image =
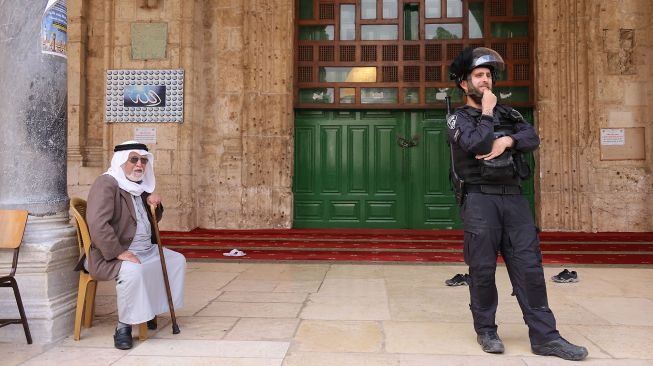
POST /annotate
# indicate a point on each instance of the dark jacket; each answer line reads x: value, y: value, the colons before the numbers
x: 472, y: 133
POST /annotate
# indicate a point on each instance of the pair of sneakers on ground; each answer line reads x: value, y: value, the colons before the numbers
x: 566, y: 276
x: 491, y: 343
x: 122, y: 339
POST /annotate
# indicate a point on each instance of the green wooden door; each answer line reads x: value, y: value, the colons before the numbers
x: 431, y: 200
x: 348, y: 169
x: 374, y: 169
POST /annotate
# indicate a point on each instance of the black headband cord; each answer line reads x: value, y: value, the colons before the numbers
x: 130, y: 147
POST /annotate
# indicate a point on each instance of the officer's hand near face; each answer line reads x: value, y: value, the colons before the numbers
x: 488, y: 102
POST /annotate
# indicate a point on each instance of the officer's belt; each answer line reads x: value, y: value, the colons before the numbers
x: 492, y: 189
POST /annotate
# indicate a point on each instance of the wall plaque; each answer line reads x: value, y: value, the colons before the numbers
x: 144, y: 96
x: 627, y: 143
x: 149, y: 40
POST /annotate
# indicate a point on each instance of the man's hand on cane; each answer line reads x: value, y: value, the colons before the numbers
x: 154, y: 199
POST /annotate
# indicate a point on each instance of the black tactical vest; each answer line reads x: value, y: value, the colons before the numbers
x: 472, y: 170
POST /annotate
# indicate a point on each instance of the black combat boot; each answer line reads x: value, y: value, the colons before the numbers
x: 560, y: 348
x: 490, y: 342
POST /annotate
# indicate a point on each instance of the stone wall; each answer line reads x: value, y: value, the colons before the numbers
x: 245, y: 144
x: 229, y: 164
x: 593, y: 60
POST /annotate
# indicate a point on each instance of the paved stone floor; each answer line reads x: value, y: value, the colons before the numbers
x: 263, y: 314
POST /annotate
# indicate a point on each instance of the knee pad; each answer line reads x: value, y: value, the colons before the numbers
x: 536, y: 290
x: 484, y: 286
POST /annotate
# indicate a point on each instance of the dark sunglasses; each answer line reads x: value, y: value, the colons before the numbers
x: 135, y: 159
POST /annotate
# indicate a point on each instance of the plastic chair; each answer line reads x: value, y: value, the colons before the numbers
x: 87, y: 285
x: 12, y: 228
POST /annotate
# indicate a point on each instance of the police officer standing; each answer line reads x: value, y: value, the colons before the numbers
x: 488, y: 141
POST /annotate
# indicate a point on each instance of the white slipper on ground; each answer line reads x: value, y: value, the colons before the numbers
x: 234, y: 253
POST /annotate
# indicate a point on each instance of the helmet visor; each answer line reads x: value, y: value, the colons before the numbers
x: 487, y: 57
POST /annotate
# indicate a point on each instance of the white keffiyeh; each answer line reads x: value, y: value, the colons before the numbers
x: 116, y: 170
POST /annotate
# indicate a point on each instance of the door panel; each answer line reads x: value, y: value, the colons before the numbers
x: 346, y: 169
x: 431, y: 198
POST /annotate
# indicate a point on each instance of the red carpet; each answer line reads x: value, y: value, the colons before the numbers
x: 378, y: 245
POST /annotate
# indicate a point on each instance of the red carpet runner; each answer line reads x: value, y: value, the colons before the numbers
x: 378, y: 245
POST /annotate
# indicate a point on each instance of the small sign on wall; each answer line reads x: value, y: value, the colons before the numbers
x: 146, y: 135
x: 623, y: 143
x: 144, y: 96
x: 613, y: 136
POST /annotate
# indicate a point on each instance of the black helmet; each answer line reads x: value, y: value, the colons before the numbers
x: 472, y: 58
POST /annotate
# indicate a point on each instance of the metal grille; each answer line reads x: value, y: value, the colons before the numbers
x: 411, y: 73
x: 520, y: 72
x: 520, y: 51
x: 368, y: 53
x: 433, y: 52
x: 419, y: 66
x: 326, y: 53
x: 501, y: 49
x: 389, y: 74
x: 390, y: 53
x: 411, y: 52
x: 453, y: 50
x: 433, y: 73
x: 305, y: 74
x: 327, y: 11
x: 347, y: 53
x: 497, y: 8
x: 305, y: 53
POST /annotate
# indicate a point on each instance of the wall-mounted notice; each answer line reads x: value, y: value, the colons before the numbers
x: 627, y: 143
x: 54, y: 28
x: 146, y: 135
x: 613, y: 136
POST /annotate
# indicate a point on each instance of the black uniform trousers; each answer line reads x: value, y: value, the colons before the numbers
x: 504, y: 223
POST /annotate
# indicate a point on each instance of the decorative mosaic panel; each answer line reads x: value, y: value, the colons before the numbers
x: 144, y: 96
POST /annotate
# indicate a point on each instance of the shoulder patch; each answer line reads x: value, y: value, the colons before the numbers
x: 451, y: 121
x: 516, y: 115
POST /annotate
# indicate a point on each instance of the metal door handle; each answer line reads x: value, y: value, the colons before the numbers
x: 405, y: 143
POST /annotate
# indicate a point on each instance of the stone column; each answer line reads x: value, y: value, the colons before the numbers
x: 563, y: 112
x: 33, y: 172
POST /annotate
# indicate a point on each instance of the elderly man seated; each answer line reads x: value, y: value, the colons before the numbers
x: 123, y: 246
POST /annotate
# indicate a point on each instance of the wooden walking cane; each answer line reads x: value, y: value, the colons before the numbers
x: 157, y: 236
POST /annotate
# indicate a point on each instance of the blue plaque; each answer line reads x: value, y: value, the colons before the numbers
x: 144, y: 96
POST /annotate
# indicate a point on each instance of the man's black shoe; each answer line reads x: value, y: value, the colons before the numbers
x: 565, y: 276
x: 490, y: 342
x: 152, y: 323
x: 458, y: 280
x: 560, y: 348
x: 123, y: 338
